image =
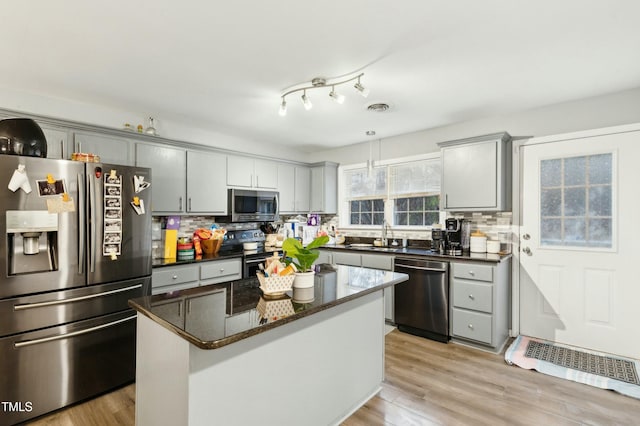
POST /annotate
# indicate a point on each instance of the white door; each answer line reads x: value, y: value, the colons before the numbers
x: 579, y: 259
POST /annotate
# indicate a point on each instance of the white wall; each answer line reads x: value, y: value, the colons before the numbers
x: 591, y: 113
x: 113, y: 117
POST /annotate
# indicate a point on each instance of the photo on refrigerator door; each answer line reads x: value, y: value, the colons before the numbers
x: 112, y: 240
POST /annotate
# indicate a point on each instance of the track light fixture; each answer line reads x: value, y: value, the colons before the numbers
x: 335, y: 96
x: 305, y: 101
x: 364, y: 91
x: 319, y: 83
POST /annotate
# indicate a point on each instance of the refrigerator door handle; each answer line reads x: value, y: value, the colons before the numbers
x: 23, y: 343
x: 81, y: 224
x: 92, y: 220
x: 24, y: 306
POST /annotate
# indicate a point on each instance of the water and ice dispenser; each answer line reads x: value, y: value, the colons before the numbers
x: 32, y: 241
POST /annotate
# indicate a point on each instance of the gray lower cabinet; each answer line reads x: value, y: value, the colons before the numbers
x: 325, y: 257
x: 219, y: 271
x: 375, y: 261
x: 180, y: 277
x: 479, y: 294
x: 172, y: 278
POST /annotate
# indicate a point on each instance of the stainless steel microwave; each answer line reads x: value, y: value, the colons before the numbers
x: 247, y: 205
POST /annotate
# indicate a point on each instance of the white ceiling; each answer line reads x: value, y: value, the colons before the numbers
x: 222, y: 65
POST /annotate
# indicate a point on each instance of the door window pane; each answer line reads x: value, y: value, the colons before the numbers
x: 576, y: 201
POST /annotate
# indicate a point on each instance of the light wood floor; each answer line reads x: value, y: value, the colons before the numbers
x: 430, y: 383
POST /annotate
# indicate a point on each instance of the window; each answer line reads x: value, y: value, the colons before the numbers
x: 576, y: 201
x: 417, y: 211
x: 404, y: 193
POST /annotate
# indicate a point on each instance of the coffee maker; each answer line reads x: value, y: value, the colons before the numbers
x: 453, y: 229
x: 438, y: 240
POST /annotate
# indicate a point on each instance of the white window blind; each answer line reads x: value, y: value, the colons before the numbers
x: 415, y: 178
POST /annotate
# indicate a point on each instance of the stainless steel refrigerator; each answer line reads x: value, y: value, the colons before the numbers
x: 75, y: 245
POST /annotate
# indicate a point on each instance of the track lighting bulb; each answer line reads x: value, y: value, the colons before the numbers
x: 336, y: 96
x: 283, y: 108
x: 306, y: 102
x: 364, y: 91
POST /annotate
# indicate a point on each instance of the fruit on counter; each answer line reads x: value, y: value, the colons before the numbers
x: 203, y: 234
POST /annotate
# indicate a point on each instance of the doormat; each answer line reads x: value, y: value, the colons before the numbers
x: 592, y: 368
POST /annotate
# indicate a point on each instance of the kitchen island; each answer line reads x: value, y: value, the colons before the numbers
x: 226, y: 354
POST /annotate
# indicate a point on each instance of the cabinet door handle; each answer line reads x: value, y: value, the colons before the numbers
x: 472, y: 273
x: 470, y: 326
x: 221, y: 270
x: 62, y: 149
x: 180, y: 203
x: 189, y: 203
x: 472, y: 297
x: 175, y: 277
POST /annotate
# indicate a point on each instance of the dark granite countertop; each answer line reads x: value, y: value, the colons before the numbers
x: 222, y: 254
x: 206, y: 323
x: 422, y: 252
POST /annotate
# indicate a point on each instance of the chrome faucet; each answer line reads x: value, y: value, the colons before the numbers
x: 385, y: 228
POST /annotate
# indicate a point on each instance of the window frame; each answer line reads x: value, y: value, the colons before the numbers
x: 343, y: 202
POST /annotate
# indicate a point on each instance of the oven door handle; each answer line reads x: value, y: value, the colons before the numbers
x: 420, y: 268
x: 23, y: 343
x: 24, y: 306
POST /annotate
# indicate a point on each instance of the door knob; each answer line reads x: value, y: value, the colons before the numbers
x: 527, y: 251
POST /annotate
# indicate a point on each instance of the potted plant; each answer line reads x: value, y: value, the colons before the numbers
x: 303, y: 258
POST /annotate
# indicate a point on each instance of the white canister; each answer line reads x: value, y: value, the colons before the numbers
x: 478, y: 244
x: 493, y: 246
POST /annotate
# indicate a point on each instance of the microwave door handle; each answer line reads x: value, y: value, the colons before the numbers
x: 81, y: 223
x: 275, y: 212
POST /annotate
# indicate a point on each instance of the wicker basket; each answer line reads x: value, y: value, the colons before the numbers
x: 276, y: 284
x: 211, y: 246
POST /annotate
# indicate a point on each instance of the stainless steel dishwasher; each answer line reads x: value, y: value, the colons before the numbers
x: 422, y: 303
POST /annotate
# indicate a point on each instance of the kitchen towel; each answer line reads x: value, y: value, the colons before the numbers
x: 523, y: 346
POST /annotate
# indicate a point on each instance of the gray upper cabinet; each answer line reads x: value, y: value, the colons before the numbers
x: 324, y: 188
x: 57, y: 142
x: 206, y: 176
x: 293, y: 187
x: 247, y: 172
x: 286, y: 187
x: 111, y: 149
x: 476, y: 173
x: 168, y: 176
x: 302, y: 188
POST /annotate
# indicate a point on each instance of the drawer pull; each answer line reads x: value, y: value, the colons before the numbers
x: 472, y: 273
x: 471, y: 296
x: 175, y: 277
x: 470, y: 326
